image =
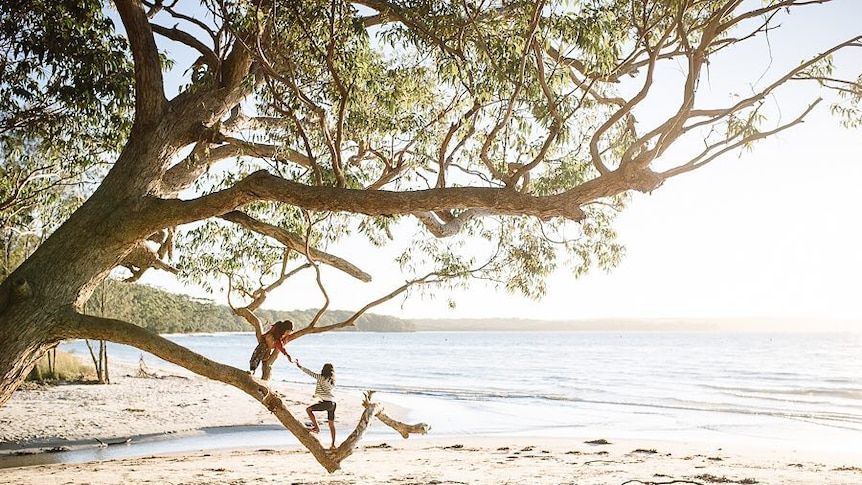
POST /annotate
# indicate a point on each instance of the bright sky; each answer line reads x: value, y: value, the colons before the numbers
x: 773, y: 233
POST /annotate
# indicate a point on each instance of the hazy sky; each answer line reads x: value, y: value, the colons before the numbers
x: 774, y: 232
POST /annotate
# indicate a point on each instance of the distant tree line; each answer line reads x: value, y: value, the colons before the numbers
x: 164, y: 312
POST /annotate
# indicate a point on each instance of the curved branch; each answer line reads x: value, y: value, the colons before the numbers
x: 708, y: 155
x: 150, y: 100
x: 263, y: 150
x: 247, y: 312
x: 766, y: 10
x: 317, y: 276
x: 668, y: 133
x: 442, y: 159
x: 183, y: 174
x: 427, y: 279
x: 209, y: 57
x: 451, y: 227
x: 627, y: 107
x: 295, y: 243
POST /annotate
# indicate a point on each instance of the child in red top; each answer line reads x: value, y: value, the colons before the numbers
x: 272, y: 341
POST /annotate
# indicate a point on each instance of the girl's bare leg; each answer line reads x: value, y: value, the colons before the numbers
x: 332, y: 433
x: 314, y: 427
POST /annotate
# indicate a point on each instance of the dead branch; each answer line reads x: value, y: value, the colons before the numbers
x: 405, y: 430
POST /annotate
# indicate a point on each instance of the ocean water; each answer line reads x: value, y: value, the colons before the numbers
x: 782, y: 390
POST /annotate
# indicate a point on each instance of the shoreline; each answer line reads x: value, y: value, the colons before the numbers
x: 142, y: 415
x: 230, y: 438
x: 58, y: 445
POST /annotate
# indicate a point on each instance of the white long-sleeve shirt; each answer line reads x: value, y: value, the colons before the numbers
x: 323, y: 389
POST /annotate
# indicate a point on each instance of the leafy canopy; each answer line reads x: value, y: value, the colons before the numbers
x: 65, y: 108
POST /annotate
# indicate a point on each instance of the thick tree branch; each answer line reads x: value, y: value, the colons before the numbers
x: 80, y: 326
x: 241, y: 123
x: 141, y: 258
x: 262, y: 185
x: 150, y: 101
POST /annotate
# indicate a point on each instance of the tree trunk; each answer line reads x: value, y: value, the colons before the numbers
x: 57, y: 278
x: 267, y: 365
x: 62, y: 273
x: 23, y: 341
x: 105, y: 378
x: 97, y: 361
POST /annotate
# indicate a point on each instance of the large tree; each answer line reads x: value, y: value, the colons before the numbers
x: 507, y: 134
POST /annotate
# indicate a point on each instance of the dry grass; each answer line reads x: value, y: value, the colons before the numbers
x: 67, y: 367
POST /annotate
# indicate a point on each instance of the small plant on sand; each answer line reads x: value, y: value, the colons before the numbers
x: 600, y: 441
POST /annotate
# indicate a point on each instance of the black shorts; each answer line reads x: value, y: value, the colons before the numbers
x: 328, y: 406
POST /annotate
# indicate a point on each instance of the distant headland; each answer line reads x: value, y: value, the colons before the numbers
x: 165, y: 312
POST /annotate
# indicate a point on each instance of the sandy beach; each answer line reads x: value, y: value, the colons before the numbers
x: 42, y: 418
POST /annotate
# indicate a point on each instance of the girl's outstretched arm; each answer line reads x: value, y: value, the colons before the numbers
x: 307, y: 371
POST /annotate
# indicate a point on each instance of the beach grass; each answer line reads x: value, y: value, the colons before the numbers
x: 61, y: 366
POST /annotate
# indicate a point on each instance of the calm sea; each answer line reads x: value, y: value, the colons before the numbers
x: 779, y: 390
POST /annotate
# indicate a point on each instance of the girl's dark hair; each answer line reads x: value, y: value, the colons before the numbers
x: 328, y: 371
x: 283, y: 326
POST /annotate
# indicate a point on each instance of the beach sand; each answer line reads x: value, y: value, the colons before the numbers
x: 75, y: 415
